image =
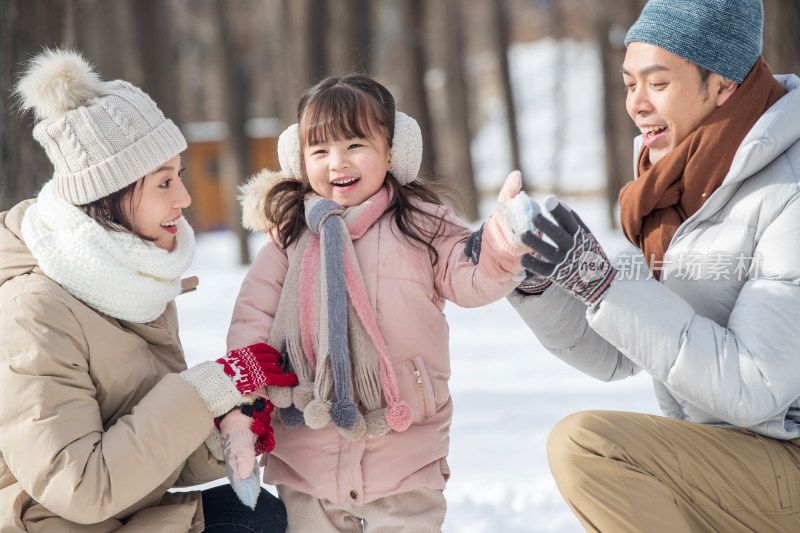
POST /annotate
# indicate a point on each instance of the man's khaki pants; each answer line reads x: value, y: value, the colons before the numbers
x: 623, y: 472
x: 417, y: 511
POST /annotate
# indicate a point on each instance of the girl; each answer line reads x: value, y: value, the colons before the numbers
x: 99, y: 416
x: 350, y: 286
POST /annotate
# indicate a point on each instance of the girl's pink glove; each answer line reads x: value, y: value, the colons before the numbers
x: 246, y: 434
x: 238, y: 445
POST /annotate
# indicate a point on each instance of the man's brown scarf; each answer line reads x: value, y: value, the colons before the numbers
x: 653, y: 206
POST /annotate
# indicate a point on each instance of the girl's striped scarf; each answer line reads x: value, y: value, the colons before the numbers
x: 327, y: 329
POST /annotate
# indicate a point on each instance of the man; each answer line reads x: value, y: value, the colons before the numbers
x: 715, y: 211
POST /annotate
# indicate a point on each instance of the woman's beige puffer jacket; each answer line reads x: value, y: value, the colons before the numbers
x: 95, y: 423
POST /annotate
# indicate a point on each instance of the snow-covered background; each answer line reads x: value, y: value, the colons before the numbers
x: 508, y: 392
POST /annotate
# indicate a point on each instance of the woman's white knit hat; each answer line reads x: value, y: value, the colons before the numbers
x: 100, y: 136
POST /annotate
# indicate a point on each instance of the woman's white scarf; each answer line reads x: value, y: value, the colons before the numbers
x: 116, y: 273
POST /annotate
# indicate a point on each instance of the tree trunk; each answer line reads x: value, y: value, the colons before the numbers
x: 349, y: 36
x: 782, y: 35
x: 499, y: 29
x: 559, y: 99
x: 158, y: 53
x: 618, y: 129
x: 26, y: 26
x: 459, y: 162
x: 105, y: 33
x: 411, y: 76
x: 304, y: 26
x: 235, y: 154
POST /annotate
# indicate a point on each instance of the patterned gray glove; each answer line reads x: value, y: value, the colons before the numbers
x: 577, y: 263
x: 533, y: 283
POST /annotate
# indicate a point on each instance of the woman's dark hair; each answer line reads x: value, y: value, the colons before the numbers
x: 110, y: 213
x: 352, y: 106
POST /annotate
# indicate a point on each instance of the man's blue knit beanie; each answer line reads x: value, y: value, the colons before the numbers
x: 723, y: 36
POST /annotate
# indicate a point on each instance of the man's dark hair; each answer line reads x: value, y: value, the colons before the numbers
x: 704, y: 75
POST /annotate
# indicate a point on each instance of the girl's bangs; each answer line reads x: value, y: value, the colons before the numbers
x: 336, y: 115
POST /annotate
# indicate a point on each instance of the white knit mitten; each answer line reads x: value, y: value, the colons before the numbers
x: 214, y: 444
x: 214, y: 387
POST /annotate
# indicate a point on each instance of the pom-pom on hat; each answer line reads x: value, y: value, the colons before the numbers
x: 723, y: 36
x: 100, y: 136
x: 405, y: 155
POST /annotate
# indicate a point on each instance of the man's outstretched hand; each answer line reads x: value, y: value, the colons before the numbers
x: 577, y: 262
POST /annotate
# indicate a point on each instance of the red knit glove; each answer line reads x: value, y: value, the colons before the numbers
x: 265, y: 442
x: 256, y: 366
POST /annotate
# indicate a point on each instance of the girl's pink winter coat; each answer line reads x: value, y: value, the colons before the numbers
x: 408, y: 294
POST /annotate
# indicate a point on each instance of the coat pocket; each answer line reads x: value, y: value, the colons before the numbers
x: 422, y: 381
x: 786, y: 473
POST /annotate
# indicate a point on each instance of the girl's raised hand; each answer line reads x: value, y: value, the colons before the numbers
x: 515, y: 210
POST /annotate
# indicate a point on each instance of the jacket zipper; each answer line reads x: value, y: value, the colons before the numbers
x: 421, y: 389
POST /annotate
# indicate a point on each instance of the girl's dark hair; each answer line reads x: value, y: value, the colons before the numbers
x: 110, y: 213
x: 352, y: 106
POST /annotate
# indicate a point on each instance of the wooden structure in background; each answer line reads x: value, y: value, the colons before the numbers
x: 203, y: 167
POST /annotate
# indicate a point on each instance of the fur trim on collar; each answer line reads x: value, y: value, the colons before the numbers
x: 253, y: 195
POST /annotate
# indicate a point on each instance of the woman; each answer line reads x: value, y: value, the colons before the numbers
x: 99, y: 416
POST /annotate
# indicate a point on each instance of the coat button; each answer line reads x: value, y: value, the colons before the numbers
x: 354, y: 494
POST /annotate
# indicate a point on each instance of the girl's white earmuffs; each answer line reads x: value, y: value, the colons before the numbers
x: 405, y: 155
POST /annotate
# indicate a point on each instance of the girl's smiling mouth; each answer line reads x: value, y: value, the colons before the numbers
x: 345, y: 183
